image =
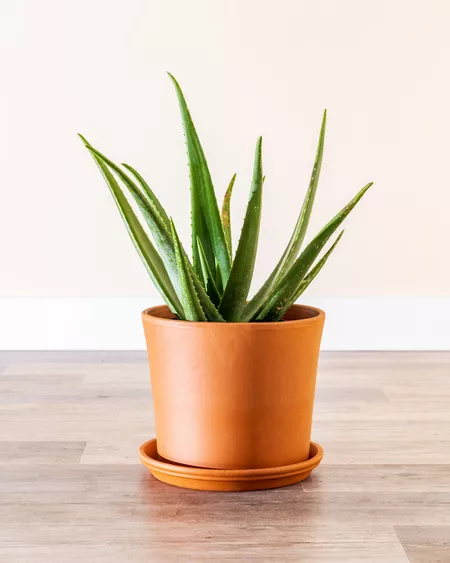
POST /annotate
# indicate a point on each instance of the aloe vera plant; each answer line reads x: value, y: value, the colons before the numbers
x: 214, y: 286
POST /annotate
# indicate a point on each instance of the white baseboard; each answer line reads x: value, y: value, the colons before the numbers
x: 115, y: 324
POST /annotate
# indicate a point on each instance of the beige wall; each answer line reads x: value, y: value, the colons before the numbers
x: 248, y: 68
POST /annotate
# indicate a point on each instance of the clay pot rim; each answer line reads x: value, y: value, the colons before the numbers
x: 151, y: 315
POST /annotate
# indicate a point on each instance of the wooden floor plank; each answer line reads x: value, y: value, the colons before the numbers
x: 425, y: 544
x: 209, y: 550
x: 386, y: 452
x: 20, y: 453
x: 432, y: 478
x: 72, y: 488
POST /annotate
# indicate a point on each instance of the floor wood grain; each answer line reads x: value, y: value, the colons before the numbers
x: 424, y: 544
x: 72, y: 488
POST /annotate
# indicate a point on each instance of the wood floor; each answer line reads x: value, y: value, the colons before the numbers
x: 72, y: 488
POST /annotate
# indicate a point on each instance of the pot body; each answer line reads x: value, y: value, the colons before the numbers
x: 233, y: 395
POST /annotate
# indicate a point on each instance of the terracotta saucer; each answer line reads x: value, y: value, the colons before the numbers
x: 227, y: 479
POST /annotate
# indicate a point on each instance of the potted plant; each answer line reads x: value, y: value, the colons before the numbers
x: 233, y: 378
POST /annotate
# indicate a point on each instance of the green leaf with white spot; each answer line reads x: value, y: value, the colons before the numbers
x: 255, y: 305
x: 192, y: 309
x: 238, y: 285
x: 142, y: 243
x: 284, y: 294
x: 205, y: 211
x: 226, y: 216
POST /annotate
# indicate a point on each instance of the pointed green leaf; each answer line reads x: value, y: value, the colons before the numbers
x: 255, y: 305
x: 208, y: 306
x: 238, y: 285
x: 192, y: 309
x: 219, y: 283
x: 203, y: 193
x: 148, y: 192
x: 285, y: 290
x: 208, y: 281
x: 199, y: 230
x: 156, y: 224
x: 225, y: 216
x: 204, y: 273
x: 142, y: 243
x: 312, y: 274
x: 164, y: 240
x: 301, y: 226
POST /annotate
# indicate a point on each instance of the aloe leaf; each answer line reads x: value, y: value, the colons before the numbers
x: 225, y: 216
x: 192, y: 309
x: 238, y: 285
x: 150, y: 194
x: 155, y: 222
x: 163, y: 239
x: 204, y: 269
x: 285, y: 291
x: 219, y: 283
x: 149, y: 255
x: 203, y: 193
x: 208, y: 306
x: 313, y: 273
x: 208, y: 281
x: 301, y: 226
x: 290, y: 254
x: 199, y: 230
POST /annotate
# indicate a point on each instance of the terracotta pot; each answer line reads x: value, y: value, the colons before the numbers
x: 233, y: 395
